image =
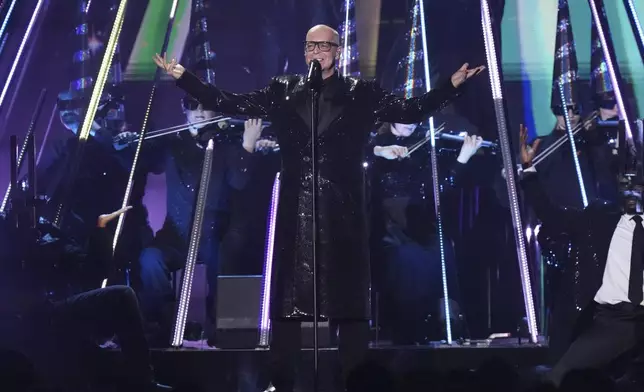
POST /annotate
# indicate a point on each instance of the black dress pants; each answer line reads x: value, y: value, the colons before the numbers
x: 66, y: 328
x: 614, y: 331
x: 286, y: 342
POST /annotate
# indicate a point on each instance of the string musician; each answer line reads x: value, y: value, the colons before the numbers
x: 405, y: 247
x: 180, y: 157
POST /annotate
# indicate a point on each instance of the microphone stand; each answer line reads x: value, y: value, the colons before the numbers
x: 314, y: 87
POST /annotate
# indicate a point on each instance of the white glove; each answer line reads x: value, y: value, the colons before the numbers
x: 390, y: 152
x: 471, y: 145
x: 123, y: 140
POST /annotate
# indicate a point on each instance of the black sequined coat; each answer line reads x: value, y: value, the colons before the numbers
x: 587, y: 235
x: 351, y: 107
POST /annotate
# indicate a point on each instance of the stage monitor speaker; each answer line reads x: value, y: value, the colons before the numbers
x: 325, y: 338
x: 238, y: 306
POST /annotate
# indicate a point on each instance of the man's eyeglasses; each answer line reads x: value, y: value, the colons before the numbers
x: 324, y: 46
x: 189, y: 103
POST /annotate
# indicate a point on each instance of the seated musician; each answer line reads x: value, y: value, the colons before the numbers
x: 52, y: 327
x: 405, y: 231
x: 103, y: 172
x: 180, y: 156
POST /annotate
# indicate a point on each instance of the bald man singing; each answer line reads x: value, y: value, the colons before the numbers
x: 348, y: 109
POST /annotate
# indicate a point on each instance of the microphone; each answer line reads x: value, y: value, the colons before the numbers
x: 314, y: 77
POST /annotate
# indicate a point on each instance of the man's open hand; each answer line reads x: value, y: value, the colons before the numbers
x: 527, y: 152
x: 104, y: 219
x: 465, y: 73
x: 172, y: 68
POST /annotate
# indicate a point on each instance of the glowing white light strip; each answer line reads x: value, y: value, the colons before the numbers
x: 345, y: 49
x: 630, y: 9
x: 611, y: 68
x: 23, y: 71
x: 46, y: 136
x: 97, y: 91
x: 495, y: 82
x: 193, y: 247
x: 5, y: 22
x: 573, y: 147
x: 18, y: 56
x: 436, y: 180
x: 103, y: 71
x: 174, y: 9
x: 130, y: 181
x: 264, y: 316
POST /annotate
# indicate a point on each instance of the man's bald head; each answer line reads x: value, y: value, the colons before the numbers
x: 322, y: 44
x: 323, y: 33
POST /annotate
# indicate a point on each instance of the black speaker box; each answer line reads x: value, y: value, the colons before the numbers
x: 238, y: 311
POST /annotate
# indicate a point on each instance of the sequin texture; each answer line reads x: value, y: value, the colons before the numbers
x: 349, y: 107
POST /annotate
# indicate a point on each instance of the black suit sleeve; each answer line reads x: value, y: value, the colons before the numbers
x: 389, y: 107
x: 257, y: 104
x: 238, y: 164
x: 561, y: 220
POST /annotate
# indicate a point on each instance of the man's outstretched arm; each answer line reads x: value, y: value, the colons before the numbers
x: 254, y: 104
x: 389, y: 107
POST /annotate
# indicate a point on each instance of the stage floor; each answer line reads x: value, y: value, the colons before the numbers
x: 244, y: 370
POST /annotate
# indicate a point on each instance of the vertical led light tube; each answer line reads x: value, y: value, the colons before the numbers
x: 193, y: 248
x: 264, y: 316
x: 436, y: 180
x: 97, y: 91
x: 602, y: 24
x: 573, y: 146
x: 508, y: 164
x: 345, y: 48
x: 5, y: 22
x: 21, y: 48
x: 635, y: 25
